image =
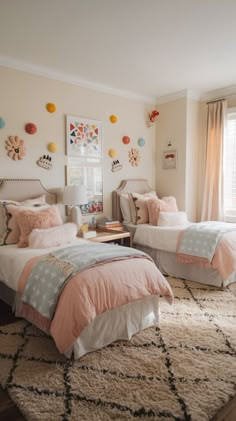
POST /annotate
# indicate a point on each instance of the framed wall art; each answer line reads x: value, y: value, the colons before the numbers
x: 169, y: 160
x: 83, y: 137
x: 90, y: 175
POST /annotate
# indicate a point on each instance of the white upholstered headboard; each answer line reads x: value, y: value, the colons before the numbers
x: 21, y: 189
x: 132, y: 185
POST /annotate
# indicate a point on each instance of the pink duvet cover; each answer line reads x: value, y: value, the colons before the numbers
x: 94, y: 291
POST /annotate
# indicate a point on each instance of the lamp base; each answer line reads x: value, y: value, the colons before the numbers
x: 76, y: 216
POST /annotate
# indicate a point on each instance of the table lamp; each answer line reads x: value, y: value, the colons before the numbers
x: 74, y: 196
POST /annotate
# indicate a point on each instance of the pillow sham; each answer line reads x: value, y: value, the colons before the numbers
x: 28, y: 220
x: 127, y: 208
x: 140, y: 205
x: 155, y: 206
x: 9, y: 230
x: 53, y: 237
x: 167, y: 219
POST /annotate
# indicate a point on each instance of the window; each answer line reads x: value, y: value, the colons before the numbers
x: 229, y: 167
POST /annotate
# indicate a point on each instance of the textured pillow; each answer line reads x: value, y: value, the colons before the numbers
x: 53, y: 237
x: 140, y: 205
x: 9, y: 230
x: 155, y: 206
x: 29, y: 220
x: 167, y: 219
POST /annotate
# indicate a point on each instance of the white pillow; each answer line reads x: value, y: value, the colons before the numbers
x: 52, y: 237
x: 167, y: 219
x: 125, y: 208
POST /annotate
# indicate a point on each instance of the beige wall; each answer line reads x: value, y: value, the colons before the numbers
x: 172, y: 125
x: 182, y: 122
x: 23, y: 100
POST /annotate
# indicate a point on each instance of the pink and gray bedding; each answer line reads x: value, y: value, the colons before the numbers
x: 197, y: 243
x: 90, y: 291
x: 222, y: 256
x: 214, y: 245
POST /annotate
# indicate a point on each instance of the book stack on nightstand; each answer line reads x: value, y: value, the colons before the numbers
x: 110, y: 225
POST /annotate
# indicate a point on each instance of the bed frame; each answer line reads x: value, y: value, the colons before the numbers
x: 165, y: 261
x: 139, y: 185
x: 21, y: 189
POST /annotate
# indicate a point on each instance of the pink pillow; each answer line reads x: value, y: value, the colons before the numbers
x: 9, y: 229
x: 53, y: 237
x: 155, y: 206
x: 29, y: 220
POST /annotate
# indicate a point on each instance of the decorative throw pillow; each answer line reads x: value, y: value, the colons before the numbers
x: 167, y: 219
x: 53, y: 237
x: 140, y: 206
x: 29, y: 220
x: 9, y: 230
x: 155, y: 206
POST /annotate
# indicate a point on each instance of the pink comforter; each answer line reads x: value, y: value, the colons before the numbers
x: 96, y: 290
x: 224, y: 259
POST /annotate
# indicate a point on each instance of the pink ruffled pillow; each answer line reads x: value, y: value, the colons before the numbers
x: 29, y: 220
x: 155, y: 206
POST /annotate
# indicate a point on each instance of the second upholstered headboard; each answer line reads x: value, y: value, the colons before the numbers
x: 131, y: 185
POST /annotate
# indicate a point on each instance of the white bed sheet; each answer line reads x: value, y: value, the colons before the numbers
x: 162, y: 238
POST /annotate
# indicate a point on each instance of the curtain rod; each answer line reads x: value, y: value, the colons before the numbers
x: 215, y: 100
x: 220, y: 99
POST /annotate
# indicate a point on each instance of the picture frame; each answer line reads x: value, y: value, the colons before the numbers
x: 169, y: 159
x: 91, y: 176
x: 83, y: 137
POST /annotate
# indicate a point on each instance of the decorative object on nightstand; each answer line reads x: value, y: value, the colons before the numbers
x: 75, y: 196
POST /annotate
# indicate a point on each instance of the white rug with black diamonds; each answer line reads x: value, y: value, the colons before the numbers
x: 185, y: 369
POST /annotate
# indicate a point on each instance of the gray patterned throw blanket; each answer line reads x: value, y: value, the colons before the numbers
x: 52, y: 272
x: 197, y: 243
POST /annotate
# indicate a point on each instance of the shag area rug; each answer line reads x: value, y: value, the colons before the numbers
x: 184, y: 369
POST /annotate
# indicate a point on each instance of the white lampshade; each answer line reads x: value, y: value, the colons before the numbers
x: 75, y: 195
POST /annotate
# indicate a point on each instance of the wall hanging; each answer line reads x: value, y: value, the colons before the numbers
x: 151, y: 117
x: 113, y: 118
x: 16, y: 148
x: 141, y: 142
x: 116, y: 166
x: 125, y: 140
x: 45, y: 162
x: 50, y: 107
x: 83, y: 137
x: 2, y: 123
x: 30, y: 128
x: 169, y: 159
x: 134, y: 157
x: 112, y: 153
x: 52, y: 147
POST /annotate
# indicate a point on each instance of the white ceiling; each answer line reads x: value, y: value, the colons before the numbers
x: 145, y: 48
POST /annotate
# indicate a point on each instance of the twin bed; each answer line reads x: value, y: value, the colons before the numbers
x: 160, y: 242
x: 105, y: 292
x: 112, y: 295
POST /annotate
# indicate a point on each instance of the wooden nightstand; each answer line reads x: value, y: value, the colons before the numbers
x: 119, y: 237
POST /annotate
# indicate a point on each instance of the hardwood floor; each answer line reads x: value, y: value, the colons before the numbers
x: 9, y: 412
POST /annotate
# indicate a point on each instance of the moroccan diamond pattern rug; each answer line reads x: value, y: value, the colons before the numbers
x: 184, y: 369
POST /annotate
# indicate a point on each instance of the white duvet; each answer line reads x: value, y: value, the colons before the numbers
x: 161, y: 238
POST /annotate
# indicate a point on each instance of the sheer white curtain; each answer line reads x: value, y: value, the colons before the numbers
x: 212, y: 209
